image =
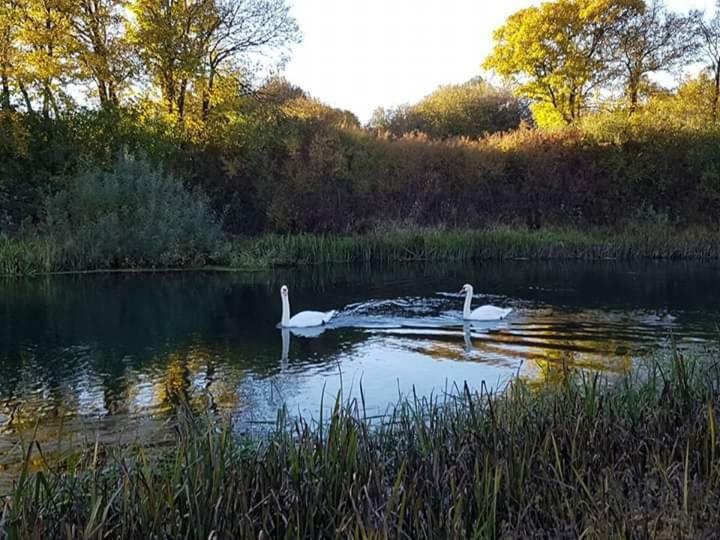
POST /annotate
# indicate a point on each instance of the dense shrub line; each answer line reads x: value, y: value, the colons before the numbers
x: 70, y: 199
x: 278, y: 173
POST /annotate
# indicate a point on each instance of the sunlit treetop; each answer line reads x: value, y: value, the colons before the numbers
x: 557, y: 54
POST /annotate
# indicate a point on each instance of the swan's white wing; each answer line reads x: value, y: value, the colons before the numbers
x: 489, y: 313
x: 306, y: 319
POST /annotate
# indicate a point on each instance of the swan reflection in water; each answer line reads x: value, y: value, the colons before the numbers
x: 467, y: 336
x: 285, y: 333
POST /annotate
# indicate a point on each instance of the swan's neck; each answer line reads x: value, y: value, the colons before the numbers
x: 285, y: 311
x: 468, y: 301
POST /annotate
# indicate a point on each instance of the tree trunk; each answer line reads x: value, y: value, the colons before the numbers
x: 53, y: 104
x: 716, y: 93
x: 112, y: 95
x: 169, y: 93
x: 5, y: 98
x: 46, y: 100
x: 26, y: 98
x: 181, y: 98
x: 102, y: 93
x: 207, y: 95
x: 633, y: 93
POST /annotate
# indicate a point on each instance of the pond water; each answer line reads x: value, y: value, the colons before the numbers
x: 97, y: 355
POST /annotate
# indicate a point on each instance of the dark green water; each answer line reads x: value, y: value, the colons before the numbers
x: 96, y: 355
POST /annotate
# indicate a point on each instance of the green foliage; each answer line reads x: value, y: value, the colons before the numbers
x: 133, y: 215
x: 28, y: 256
x: 652, y: 239
x: 649, y: 41
x: 473, y: 109
x: 574, y: 455
x: 556, y: 53
x: 269, y: 171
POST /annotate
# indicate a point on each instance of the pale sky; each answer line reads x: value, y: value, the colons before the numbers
x: 361, y: 54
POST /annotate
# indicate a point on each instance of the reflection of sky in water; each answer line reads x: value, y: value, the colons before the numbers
x: 105, y: 355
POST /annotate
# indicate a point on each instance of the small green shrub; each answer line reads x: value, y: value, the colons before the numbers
x: 26, y: 257
x: 133, y: 215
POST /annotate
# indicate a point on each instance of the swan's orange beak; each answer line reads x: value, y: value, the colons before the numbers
x: 461, y: 290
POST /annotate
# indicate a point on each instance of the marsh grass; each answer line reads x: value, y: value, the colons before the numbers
x: 592, y: 457
x: 42, y: 255
x: 27, y: 257
x: 502, y: 242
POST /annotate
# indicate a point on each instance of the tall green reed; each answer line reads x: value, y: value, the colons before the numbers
x: 634, y: 456
x: 500, y: 242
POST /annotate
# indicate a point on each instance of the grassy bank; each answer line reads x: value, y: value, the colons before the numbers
x: 495, y: 243
x: 26, y: 257
x: 631, y: 458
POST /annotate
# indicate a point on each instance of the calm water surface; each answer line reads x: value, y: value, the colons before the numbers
x: 98, y: 355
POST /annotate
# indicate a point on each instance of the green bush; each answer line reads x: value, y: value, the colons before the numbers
x: 134, y: 215
x: 283, y: 169
x: 27, y: 256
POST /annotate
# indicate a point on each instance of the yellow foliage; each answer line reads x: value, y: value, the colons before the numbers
x: 553, y: 53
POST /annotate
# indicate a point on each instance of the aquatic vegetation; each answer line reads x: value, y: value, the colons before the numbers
x: 499, y: 242
x: 23, y: 257
x: 632, y: 456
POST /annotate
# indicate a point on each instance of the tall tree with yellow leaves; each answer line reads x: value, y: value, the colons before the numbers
x: 173, y: 38
x: 186, y: 45
x: 9, y: 49
x: 46, y: 37
x: 651, y: 41
x: 104, y: 54
x: 558, y: 54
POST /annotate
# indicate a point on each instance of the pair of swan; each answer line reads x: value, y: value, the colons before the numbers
x: 309, y: 319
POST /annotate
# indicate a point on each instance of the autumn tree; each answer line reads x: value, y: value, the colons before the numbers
x: 709, y: 31
x: 188, y: 44
x: 9, y: 53
x: 471, y: 109
x: 559, y: 53
x: 104, y: 53
x: 278, y: 90
x: 48, y: 63
x: 243, y: 28
x: 172, y: 37
x: 650, y: 41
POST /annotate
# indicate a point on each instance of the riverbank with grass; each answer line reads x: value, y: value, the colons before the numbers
x: 43, y: 255
x: 493, y: 243
x: 635, y: 456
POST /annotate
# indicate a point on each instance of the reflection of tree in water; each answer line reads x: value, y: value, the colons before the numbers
x: 119, y: 344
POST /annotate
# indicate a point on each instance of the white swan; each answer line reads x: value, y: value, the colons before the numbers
x: 483, y: 313
x: 304, y: 319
